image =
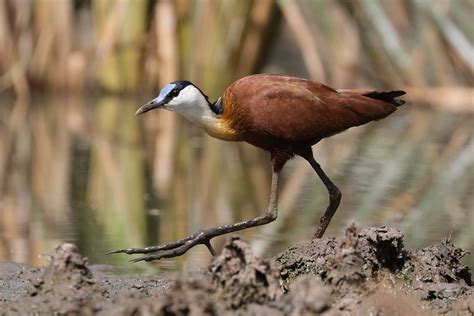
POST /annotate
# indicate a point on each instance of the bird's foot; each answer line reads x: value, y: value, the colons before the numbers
x: 172, y: 249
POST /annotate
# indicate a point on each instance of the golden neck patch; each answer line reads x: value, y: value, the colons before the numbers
x: 222, y: 130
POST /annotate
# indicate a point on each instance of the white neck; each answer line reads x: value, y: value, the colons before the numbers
x: 191, y: 104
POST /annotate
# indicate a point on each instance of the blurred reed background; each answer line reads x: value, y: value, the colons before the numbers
x: 76, y: 165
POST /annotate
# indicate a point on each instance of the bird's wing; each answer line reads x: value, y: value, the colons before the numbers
x: 297, y: 109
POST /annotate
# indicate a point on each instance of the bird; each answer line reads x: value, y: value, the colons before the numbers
x: 280, y: 114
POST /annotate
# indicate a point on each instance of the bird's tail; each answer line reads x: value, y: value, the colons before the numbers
x: 387, y: 96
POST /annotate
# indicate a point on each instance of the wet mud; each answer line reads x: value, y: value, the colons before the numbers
x: 363, y: 272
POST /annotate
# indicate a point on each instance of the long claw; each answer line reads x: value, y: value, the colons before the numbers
x: 145, y: 258
x: 137, y: 260
x: 168, y: 246
x: 172, y: 249
x: 166, y: 254
x: 116, y: 251
x: 210, y: 248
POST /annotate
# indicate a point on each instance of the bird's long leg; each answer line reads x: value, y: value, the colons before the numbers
x: 179, y: 247
x: 334, y: 195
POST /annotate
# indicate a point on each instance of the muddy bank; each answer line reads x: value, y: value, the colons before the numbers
x: 371, y: 271
x: 362, y: 272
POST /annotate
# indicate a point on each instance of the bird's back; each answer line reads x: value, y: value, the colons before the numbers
x: 272, y: 110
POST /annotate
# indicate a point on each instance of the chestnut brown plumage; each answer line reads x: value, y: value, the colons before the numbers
x: 280, y: 114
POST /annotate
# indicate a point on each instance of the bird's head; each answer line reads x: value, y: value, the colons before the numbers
x: 188, y: 100
x: 182, y: 97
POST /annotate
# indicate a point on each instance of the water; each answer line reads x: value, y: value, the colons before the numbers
x: 87, y: 171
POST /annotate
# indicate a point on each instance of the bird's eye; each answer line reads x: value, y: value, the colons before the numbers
x: 174, y: 93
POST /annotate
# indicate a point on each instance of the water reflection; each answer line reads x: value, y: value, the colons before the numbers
x: 85, y: 171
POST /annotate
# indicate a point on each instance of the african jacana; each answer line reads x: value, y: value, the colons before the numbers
x: 280, y: 114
